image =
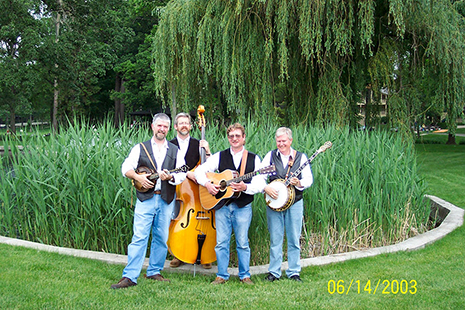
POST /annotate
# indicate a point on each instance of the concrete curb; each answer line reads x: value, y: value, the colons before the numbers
x: 453, y: 219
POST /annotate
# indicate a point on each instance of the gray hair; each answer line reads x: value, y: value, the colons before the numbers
x: 283, y: 131
x: 182, y: 114
x: 161, y: 117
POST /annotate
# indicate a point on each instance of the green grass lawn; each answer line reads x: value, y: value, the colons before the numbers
x: 440, y: 138
x: 431, y: 278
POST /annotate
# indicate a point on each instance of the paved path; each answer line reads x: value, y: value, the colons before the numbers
x: 453, y: 220
x: 445, y: 133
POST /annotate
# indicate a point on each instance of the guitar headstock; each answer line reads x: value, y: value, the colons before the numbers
x: 268, y: 170
x: 325, y: 146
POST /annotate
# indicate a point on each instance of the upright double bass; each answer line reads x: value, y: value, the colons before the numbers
x: 192, y: 234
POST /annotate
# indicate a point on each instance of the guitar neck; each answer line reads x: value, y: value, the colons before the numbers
x: 245, y: 176
x: 299, y: 171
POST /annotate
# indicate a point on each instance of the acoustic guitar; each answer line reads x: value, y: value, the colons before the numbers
x: 153, y: 176
x: 225, y: 193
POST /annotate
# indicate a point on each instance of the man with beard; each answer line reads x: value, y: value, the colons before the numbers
x: 155, y: 201
x: 190, y: 148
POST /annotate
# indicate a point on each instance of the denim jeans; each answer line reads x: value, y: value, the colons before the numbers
x: 227, y: 219
x: 152, y: 215
x: 291, y: 220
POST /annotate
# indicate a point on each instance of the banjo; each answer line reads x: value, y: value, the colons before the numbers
x: 286, y: 193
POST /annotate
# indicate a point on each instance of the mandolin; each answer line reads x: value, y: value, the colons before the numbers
x: 153, y: 176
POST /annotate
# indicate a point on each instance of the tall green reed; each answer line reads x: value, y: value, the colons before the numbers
x: 366, y: 191
x: 68, y: 190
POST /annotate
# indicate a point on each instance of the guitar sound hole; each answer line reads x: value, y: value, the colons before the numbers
x: 223, y: 185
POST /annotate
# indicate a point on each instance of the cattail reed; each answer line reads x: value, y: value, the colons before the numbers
x: 67, y: 189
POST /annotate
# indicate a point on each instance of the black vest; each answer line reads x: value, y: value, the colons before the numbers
x: 167, y: 190
x: 281, y: 171
x: 227, y: 162
x: 193, y: 152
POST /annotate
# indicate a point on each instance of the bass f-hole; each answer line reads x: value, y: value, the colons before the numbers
x: 188, y: 218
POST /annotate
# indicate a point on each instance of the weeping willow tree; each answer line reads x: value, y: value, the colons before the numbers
x: 310, y: 60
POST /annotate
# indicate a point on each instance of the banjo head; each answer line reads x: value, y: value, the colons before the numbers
x: 285, y: 198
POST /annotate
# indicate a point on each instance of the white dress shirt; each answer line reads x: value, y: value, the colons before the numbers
x: 183, y: 145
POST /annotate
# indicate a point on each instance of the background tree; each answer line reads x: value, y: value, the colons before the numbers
x: 19, y: 32
x: 82, y: 53
x: 134, y: 71
x: 311, y: 59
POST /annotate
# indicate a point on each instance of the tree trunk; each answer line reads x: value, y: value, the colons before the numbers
x: 55, y: 106
x: 368, y: 107
x: 12, y: 111
x: 451, y: 139
x: 55, y: 83
x: 12, y: 121
x: 119, y: 106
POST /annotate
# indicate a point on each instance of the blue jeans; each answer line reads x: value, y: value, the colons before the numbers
x: 152, y: 215
x: 291, y: 220
x: 229, y: 218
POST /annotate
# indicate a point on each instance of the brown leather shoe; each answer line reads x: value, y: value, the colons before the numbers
x: 157, y: 277
x: 219, y: 280
x: 175, y: 263
x: 207, y: 266
x: 123, y: 283
x: 247, y: 281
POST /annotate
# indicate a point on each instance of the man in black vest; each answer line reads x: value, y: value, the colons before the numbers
x: 286, y: 160
x: 155, y: 201
x: 237, y: 213
x: 190, y: 148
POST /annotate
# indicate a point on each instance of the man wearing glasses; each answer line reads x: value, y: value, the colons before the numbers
x: 236, y: 214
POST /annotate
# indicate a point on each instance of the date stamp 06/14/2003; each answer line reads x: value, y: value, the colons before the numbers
x: 385, y: 287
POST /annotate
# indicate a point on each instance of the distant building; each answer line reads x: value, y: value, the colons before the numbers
x: 380, y: 107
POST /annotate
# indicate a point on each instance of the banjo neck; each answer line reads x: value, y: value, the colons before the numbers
x: 296, y: 173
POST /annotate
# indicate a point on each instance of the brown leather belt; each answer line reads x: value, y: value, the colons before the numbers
x: 157, y: 192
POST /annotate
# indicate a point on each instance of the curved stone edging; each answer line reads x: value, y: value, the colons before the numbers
x: 452, y: 220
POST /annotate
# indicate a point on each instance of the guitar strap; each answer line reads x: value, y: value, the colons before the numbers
x: 243, y: 162
x: 148, y: 155
x: 290, y: 163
